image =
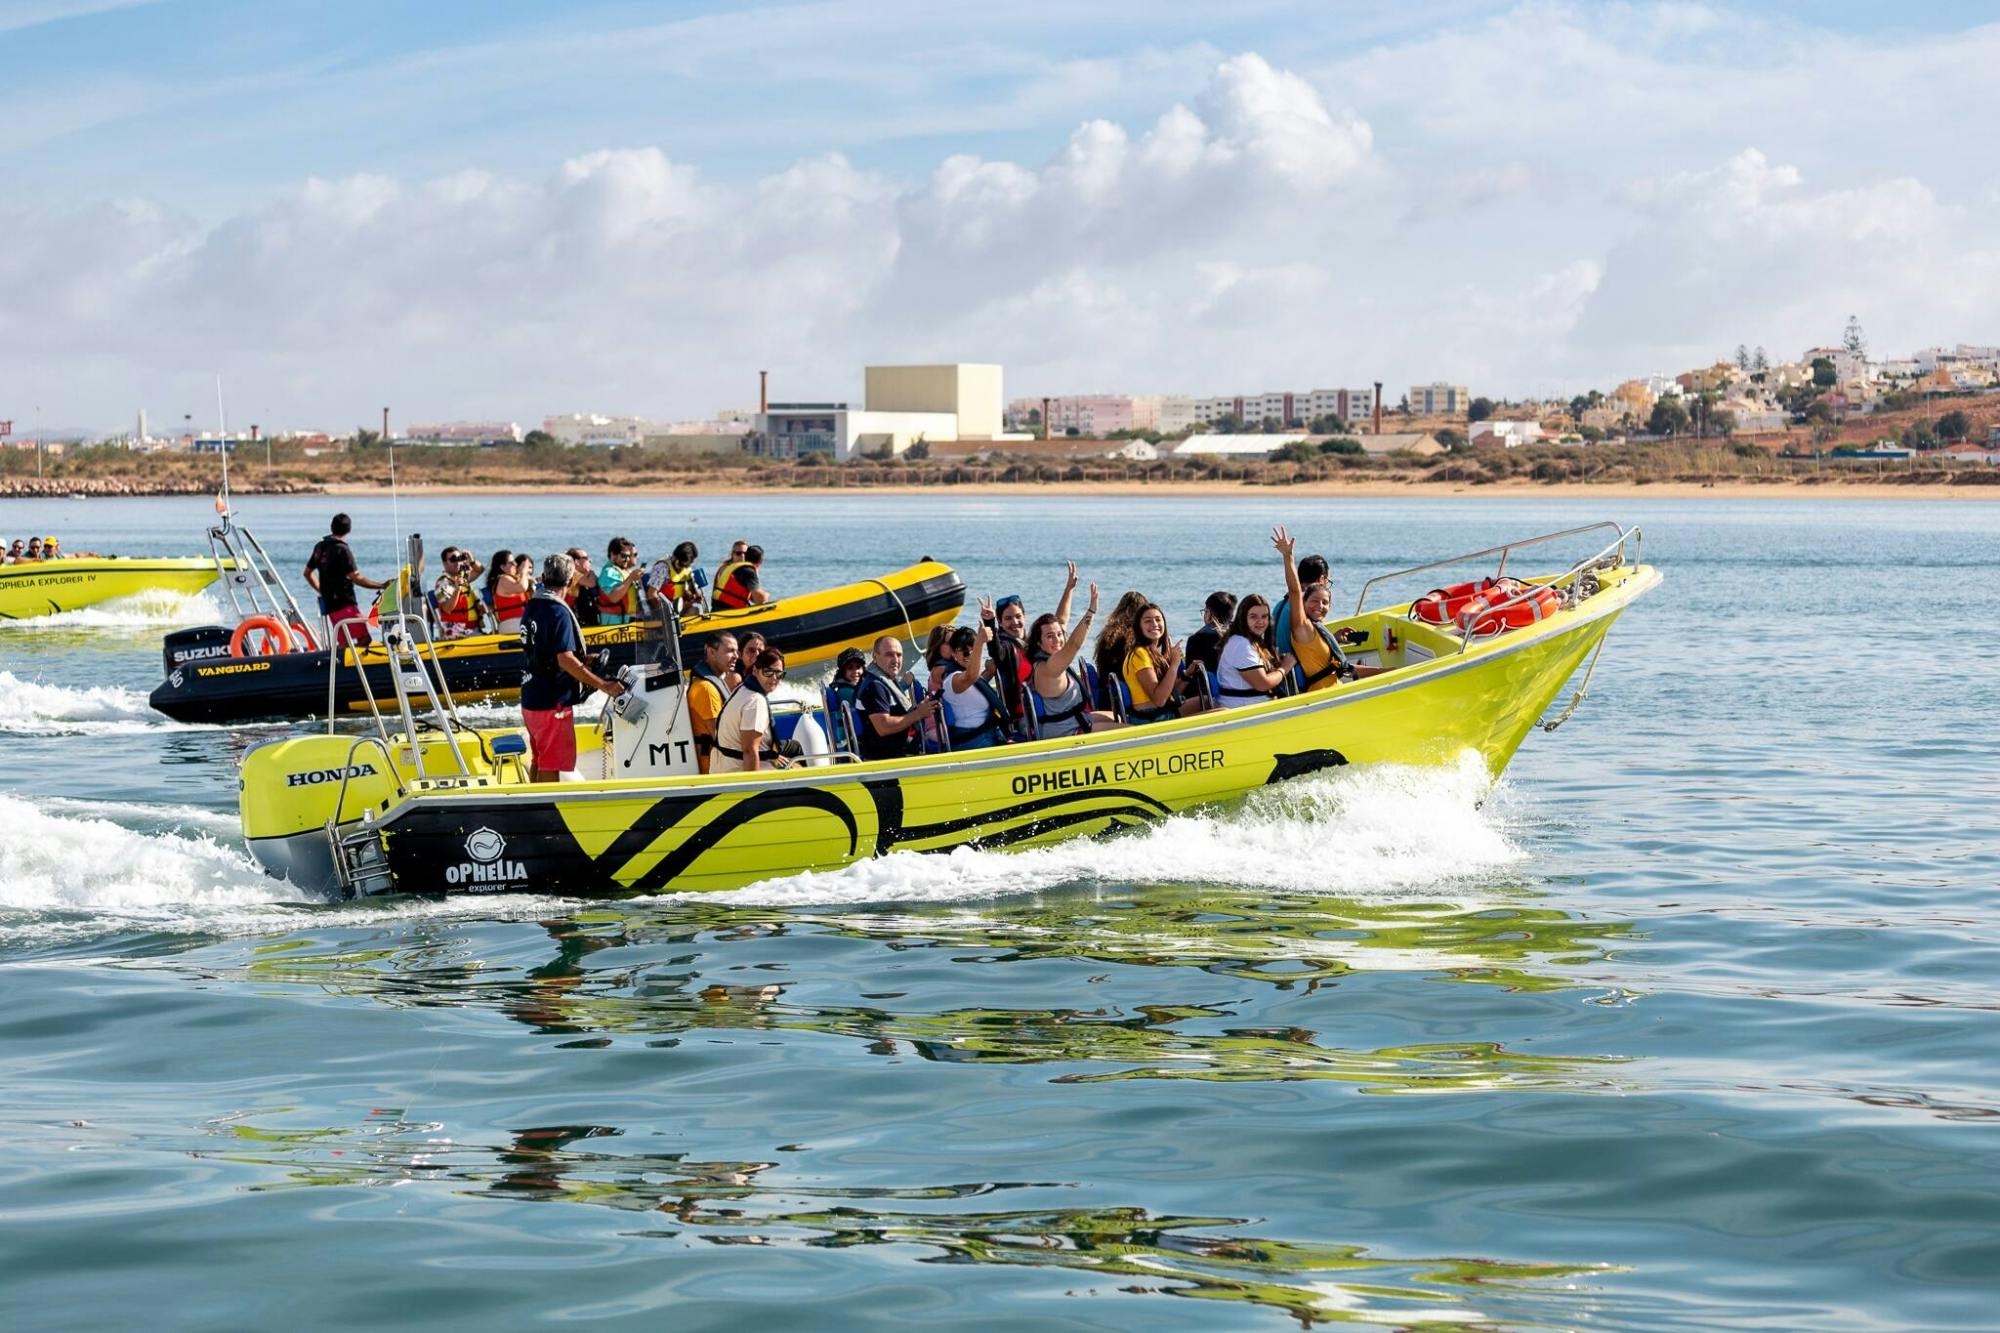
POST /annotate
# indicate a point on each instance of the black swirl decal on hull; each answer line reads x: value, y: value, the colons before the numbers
x: 1129, y: 801
x: 662, y: 875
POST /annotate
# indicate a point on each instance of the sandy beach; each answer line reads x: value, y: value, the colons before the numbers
x: 1370, y: 488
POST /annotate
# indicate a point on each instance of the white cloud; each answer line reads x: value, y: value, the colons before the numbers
x: 1522, y: 203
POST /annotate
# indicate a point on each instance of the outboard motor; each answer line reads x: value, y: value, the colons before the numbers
x: 649, y: 733
x: 185, y: 647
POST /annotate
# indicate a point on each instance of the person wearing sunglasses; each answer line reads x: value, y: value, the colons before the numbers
x: 459, y: 609
x: 743, y: 731
x: 618, y: 584
x: 581, y: 595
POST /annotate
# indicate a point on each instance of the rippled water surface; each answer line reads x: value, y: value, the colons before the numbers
x: 1691, y: 1022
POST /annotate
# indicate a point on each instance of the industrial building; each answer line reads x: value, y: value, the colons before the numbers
x: 903, y: 406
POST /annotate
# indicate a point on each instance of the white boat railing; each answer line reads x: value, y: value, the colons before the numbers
x: 1610, y: 555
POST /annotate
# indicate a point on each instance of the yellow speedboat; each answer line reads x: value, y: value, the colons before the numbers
x: 453, y: 812
x: 48, y: 587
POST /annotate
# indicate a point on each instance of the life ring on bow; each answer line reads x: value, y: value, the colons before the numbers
x: 1442, y: 606
x: 1513, y: 608
x: 277, y: 639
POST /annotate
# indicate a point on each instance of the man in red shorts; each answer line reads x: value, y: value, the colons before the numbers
x: 331, y: 573
x: 553, y: 676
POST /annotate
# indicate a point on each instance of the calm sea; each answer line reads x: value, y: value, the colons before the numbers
x: 1691, y: 1022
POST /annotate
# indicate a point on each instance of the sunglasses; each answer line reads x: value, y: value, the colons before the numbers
x: 770, y: 673
x: 1006, y: 602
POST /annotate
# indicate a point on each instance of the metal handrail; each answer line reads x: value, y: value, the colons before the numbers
x: 249, y: 566
x: 1361, y: 603
x: 347, y: 771
x: 1573, y: 573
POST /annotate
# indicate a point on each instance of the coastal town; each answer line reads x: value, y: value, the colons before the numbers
x: 1939, y: 406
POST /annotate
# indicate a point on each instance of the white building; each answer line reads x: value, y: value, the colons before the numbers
x: 968, y: 391
x: 1175, y: 414
x: 1846, y: 365
x: 595, y: 431
x: 1233, y: 446
x: 463, y: 432
x: 1512, y: 434
x: 905, y: 405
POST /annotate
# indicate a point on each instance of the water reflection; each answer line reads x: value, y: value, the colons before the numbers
x: 662, y: 970
x: 1130, y: 1250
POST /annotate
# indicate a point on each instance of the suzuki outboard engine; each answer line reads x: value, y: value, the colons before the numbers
x: 184, y: 647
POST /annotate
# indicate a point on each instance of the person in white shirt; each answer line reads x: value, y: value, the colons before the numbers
x: 1250, y: 670
x: 743, y: 731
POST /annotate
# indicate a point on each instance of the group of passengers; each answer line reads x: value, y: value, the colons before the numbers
x: 469, y: 597
x: 1009, y: 678
x: 728, y: 706
x: 33, y: 550
x: 614, y: 593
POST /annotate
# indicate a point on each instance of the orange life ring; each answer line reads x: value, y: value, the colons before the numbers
x: 1533, y: 605
x: 1441, y: 606
x: 306, y: 641
x: 276, y: 638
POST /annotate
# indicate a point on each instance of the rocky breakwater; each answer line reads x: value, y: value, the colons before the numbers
x: 99, y: 487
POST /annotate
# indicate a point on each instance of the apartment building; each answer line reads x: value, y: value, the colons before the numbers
x: 1439, y: 400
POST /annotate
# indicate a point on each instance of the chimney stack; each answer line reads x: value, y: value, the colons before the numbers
x: 763, y: 392
x: 1378, y: 407
x: 1045, y: 417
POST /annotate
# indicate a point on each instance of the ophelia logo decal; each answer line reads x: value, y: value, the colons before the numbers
x: 484, y: 845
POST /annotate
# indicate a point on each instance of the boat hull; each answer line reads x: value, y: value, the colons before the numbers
x: 812, y: 629
x: 50, y: 587
x: 680, y: 835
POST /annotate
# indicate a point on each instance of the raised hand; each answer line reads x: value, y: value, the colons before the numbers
x: 986, y: 609
x: 1093, y: 598
x: 1069, y: 579
x: 1172, y: 654
x: 985, y: 633
x: 1284, y: 541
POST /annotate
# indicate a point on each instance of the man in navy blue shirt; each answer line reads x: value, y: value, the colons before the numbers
x: 553, y: 676
x: 888, y: 716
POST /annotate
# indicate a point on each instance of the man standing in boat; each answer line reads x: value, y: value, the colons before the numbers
x: 330, y: 572
x: 553, y: 677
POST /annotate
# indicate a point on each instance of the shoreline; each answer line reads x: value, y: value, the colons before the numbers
x: 1722, y: 488
x: 1361, y: 487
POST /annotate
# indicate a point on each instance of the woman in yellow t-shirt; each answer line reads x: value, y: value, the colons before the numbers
x: 1152, y: 669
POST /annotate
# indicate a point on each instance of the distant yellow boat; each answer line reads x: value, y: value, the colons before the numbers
x: 49, y: 587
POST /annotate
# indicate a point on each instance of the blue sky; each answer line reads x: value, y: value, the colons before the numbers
x: 509, y: 208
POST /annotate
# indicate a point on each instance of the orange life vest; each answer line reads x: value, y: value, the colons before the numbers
x: 462, y: 609
x: 730, y: 594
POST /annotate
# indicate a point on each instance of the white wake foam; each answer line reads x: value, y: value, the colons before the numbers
x: 53, y: 862
x: 72, y: 871
x: 156, y: 608
x: 1350, y: 832
x: 33, y: 707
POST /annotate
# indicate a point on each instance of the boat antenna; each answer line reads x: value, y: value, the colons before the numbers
x: 395, y: 511
x: 222, y: 442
